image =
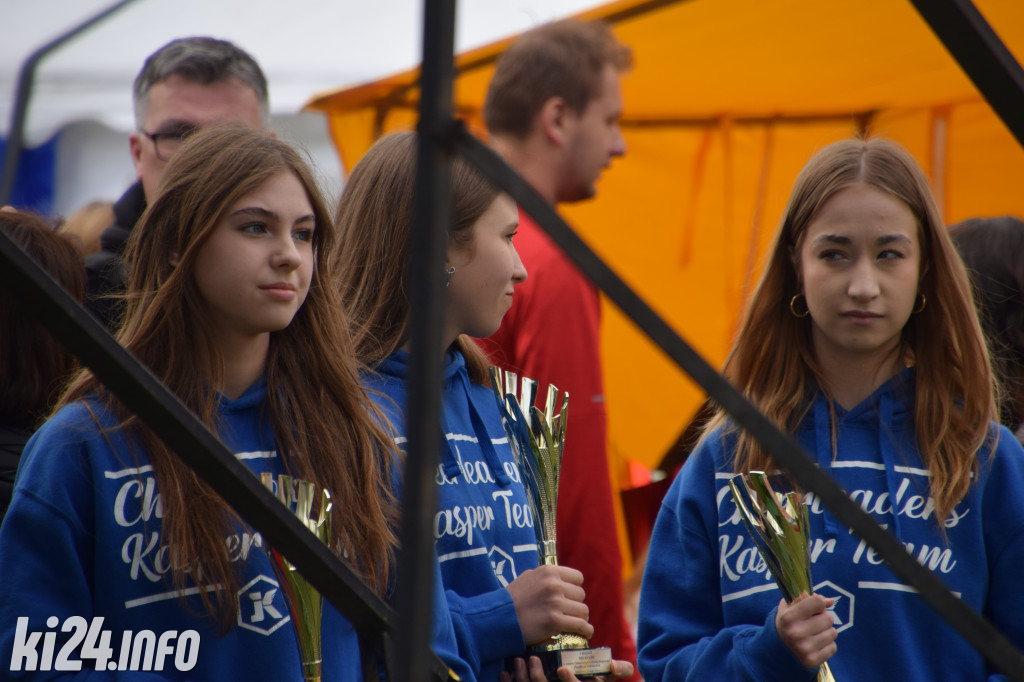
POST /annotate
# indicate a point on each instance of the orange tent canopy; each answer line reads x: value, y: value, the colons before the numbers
x: 727, y: 100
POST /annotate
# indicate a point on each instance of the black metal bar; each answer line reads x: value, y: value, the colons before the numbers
x: 387, y: 660
x: 977, y: 631
x: 428, y: 242
x: 368, y: 658
x: 44, y: 299
x: 982, y: 56
x: 26, y: 79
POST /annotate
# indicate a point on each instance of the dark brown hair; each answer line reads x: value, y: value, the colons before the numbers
x: 564, y: 59
x: 326, y: 428
x: 993, y: 251
x: 33, y: 364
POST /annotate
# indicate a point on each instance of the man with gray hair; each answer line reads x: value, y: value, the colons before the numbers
x: 187, y: 84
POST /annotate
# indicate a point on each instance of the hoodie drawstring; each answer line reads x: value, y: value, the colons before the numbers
x: 823, y: 445
x: 885, y: 409
x: 884, y: 431
x: 451, y: 463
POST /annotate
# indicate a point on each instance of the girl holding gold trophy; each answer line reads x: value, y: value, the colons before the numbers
x: 861, y: 341
x: 499, y: 598
x: 233, y: 304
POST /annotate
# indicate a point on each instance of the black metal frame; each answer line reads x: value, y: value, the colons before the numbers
x: 428, y: 241
x: 958, y: 24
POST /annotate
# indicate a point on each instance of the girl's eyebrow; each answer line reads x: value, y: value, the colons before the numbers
x: 839, y: 239
x: 890, y: 238
x: 260, y: 212
x: 831, y: 239
x: 254, y: 211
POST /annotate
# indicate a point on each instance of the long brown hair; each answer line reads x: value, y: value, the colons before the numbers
x: 33, y: 364
x: 375, y: 217
x: 773, y: 361
x: 326, y: 428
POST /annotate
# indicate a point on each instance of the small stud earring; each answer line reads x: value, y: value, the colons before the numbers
x: 448, y: 276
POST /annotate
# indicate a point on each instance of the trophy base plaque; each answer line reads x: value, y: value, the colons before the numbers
x: 583, y: 663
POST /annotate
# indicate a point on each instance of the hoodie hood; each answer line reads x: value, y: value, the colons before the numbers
x: 252, y: 397
x: 454, y: 381
x: 246, y: 414
x: 877, y: 429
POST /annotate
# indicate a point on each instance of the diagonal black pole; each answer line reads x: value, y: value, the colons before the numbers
x: 976, y: 630
x: 982, y: 56
x: 45, y: 300
x: 432, y: 217
x: 26, y: 79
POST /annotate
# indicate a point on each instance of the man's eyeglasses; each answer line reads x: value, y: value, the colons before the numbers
x: 166, y: 144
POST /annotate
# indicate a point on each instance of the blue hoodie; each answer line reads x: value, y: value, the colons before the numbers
x: 708, y: 603
x: 83, y: 538
x: 483, y: 529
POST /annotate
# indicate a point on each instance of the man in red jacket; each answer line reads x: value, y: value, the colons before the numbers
x: 552, y: 110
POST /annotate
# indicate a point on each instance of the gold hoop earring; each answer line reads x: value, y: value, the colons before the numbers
x: 792, y: 306
x: 918, y: 307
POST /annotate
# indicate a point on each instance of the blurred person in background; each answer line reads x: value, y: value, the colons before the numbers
x: 187, y: 84
x: 993, y: 251
x: 33, y: 364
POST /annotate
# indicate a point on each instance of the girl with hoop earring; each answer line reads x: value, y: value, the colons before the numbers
x: 862, y: 342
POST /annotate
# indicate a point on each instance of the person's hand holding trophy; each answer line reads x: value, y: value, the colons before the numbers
x: 778, y: 526
x: 537, y: 439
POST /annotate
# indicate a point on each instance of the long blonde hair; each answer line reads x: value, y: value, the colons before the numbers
x: 326, y: 428
x: 773, y: 363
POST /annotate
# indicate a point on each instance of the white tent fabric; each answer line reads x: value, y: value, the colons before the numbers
x: 83, y: 89
x: 305, y: 46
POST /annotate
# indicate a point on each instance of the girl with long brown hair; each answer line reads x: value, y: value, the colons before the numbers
x: 33, y: 364
x: 860, y: 340
x: 232, y: 302
x: 499, y: 598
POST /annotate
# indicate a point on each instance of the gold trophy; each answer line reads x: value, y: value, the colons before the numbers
x: 778, y: 526
x: 537, y: 439
x: 305, y: 603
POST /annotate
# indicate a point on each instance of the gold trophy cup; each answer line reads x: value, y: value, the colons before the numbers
x: 778, y: 526
x: 305, y: 604
x: 537, y: 439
